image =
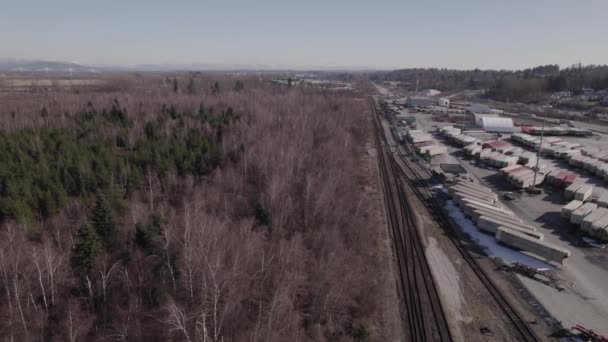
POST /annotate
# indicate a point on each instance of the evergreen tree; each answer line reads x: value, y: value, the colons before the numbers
x: 238, y: 86
x: 103, y: 222
x: 85, y: 250
x: 175, y: 85
x: 191, y: 87
x: 216, y: 88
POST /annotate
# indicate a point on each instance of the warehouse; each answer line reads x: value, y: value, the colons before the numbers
x: 497, y: 125
x: 543, y: 249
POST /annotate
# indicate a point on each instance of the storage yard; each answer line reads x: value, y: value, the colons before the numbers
x: 564, y: 228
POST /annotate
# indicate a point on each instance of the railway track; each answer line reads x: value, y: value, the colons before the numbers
x: 425, y: 318
x: 407, y: 172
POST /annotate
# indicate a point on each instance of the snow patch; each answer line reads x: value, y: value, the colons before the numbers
x: 488, y: 243
x: 440, y: 187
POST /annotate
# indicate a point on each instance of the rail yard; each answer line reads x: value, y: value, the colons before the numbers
x: 501, y: 237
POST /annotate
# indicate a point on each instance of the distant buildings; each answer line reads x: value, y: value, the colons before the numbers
x: 479, y: 116
x: 419, y: 102
x: 444, y: 102
x: 429, y: 92
x: 479, y: 108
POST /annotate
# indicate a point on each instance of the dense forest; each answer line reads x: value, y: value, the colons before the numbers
x: 183, y: 208
x: 529, y: 85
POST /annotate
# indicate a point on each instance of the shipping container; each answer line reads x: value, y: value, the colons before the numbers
x: 598, y: 225
x: 603, y: 200
x: 542, y: 249
x: 492, y: 213
x: 506, y: 169
x: 570, y: 179
x: 464, y: 201
x: 570, y: 207
x: 460, y: 198
x: 474, y: 186
x: 583, y: 193
x: 579, y: 214
x: 457, y: 188
x: 469, y: 208
x: 557, y: 179
x: 594, y: 216
x: 491, y: 224
x: 571, y: 190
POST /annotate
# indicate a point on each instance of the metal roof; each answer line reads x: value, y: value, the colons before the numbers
x: 497, y: 124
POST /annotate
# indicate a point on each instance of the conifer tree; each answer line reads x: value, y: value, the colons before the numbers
x: 102, y: 219
x: 84, y: 251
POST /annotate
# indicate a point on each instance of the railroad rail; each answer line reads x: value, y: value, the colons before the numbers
x: 425, y: 317
x: 412, y: 176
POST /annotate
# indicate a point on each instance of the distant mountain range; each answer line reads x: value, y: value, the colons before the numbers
x: 59, y: 66
x: 43, y: 66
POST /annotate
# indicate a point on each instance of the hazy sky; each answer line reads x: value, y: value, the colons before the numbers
x: 305, y: 33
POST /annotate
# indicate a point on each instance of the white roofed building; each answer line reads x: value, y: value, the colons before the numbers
x: 497, y: 125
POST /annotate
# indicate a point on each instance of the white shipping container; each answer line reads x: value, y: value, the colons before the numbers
x: 579, y: 214
x: 497, y: 214
x: 571, y: 190
x: 583, y: 193
x: 475, y: 186
x: 542, y: 249
x: 594, y: 216
x: 598, y: 225
x: 570, y: 207
x: 603, y: 200
x: 468, y: 191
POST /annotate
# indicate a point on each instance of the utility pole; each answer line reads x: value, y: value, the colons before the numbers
x: 540, y: 147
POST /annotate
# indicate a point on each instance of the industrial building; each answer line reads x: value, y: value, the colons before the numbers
x: 443, y: 102
x: 497, y: 125
x: 478, y: 116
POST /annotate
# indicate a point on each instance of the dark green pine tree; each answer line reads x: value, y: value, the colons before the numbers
x: 102, y: 219
x: 85, y: 250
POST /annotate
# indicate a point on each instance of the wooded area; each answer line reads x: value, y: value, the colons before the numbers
x: 187, y: 208
x: 529, y: 85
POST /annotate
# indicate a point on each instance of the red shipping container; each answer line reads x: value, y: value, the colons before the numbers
x: 515, y: 170
x: 569, y: 179
x: 559, y: 178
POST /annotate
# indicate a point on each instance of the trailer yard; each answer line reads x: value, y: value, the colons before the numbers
x: 568, y: 220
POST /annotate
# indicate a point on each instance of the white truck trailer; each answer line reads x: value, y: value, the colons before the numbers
x: 542, y: 249
x: 597, y: 214
x: 583, y: 193
x: 570, y: 207
x: 579, y: 214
